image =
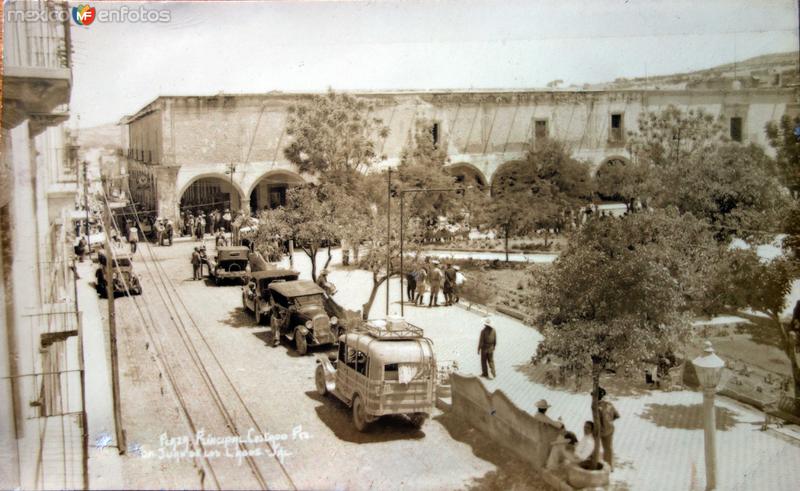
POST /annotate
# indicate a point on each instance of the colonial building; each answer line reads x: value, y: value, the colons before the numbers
x: 227, y: 150
x: 42, y: 416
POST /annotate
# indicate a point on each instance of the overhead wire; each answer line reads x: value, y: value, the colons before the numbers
x: 178, y: 296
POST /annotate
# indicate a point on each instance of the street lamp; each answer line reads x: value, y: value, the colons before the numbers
x: 709, y: 370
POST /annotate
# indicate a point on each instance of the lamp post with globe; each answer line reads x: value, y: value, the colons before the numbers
x: 709, y: 371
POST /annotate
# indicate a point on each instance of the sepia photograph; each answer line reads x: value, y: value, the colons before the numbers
x: 411, y: 245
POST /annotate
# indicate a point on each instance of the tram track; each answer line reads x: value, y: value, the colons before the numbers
x: 224, y: 435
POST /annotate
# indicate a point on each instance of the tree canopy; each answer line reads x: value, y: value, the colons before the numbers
x: 334, y: 136
x: 540, y: 191
x: 784, y: 137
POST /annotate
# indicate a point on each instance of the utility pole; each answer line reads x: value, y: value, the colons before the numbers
x: 112, y: 332
x: 389, y: 238
x: 231, y: 170
x: 86, y: 203
x: 402, y: 271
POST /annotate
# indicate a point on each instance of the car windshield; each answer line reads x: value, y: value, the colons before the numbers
x: 122, y: 262
x: 315, y: 299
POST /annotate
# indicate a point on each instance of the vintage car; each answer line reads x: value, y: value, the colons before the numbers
x: 298, y: 313
x: 123, y: 279
x: 255, y: 294
x: 386, y: 367
x: 229, y: 263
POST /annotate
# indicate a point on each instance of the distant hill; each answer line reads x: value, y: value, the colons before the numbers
x: 103, y: 136
x: 773, y: 70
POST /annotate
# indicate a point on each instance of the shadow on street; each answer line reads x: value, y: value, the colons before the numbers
x: 238, y: 317
x: 337, y: 417
x: 511, y: 473
x: 687, y: 417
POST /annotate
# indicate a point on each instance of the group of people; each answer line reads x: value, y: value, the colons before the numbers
x: 430, y: 277
x: 567, y: 449
x: 164, y: 230
x: 201, y: 224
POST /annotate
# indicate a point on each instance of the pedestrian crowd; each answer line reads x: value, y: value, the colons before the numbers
x: 429, y: 277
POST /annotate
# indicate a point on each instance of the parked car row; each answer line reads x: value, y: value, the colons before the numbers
x: 379, y: 368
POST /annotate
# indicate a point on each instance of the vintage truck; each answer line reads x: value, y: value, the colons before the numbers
x: 256, y: 293
x: 123, y: 280
x: 386, y: 367
x: 229, y: 263
x: 298, y: 313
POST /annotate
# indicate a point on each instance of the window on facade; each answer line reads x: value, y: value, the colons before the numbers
x: 435, y: 134
x: 540, y: 129
x: 736, y: 129
x: 616, y: 134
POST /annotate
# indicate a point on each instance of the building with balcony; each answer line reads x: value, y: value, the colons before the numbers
x: 42, y: 417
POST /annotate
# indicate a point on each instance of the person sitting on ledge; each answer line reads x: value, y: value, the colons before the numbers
x: 541, y: 415
x: 584, y: 449
x: 562, y: 451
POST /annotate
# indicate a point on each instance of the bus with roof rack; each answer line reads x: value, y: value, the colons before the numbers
x: 383, y: 367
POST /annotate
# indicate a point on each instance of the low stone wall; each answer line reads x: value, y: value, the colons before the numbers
x: 496, y: 416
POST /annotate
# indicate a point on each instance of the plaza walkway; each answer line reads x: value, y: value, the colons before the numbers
x: 659, y: 439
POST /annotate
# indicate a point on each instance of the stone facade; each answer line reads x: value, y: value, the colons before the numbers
x: 204, y: 136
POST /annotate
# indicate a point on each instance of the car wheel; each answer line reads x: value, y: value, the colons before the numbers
x: 418, y: 419
x: 359, y: 414
x: 257, y: 310
x: 216, y: 280
x: 244, y: 301
x: 300, y: 342
x: 319, y: 378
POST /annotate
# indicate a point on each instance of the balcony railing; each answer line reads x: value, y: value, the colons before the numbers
x: 36, y: 36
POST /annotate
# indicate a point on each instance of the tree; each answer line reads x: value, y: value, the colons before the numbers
x: 691, y: 164
x: 538, y: 192
x: 791, y: 227
x: 671, y: 135
x: 622, y: 292
x: 617, y: 179
x: 307, y: 215
x: 351, y: 217
x: 745, y: 281
x: 272, y: 228
x: 784, y: 137
x: 334, y: 137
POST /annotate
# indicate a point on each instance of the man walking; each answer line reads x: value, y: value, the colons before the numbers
x: 221, y: 241
x: 449, y: 284
x: 196, y: 264
x: 486, y: 345
x: 608, y: 413
x: 133, y: 238
x: 160, y: 231
x: 435, y: 280
x: 411, y: 285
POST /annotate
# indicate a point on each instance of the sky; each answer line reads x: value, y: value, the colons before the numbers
x: 239, y: 47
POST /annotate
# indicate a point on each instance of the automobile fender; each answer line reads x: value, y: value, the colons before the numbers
x: 328, y: 370
x: 303, y: 329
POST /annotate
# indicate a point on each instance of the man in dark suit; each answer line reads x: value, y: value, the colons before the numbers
x: 196, y: 274
x: 486, y: 345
